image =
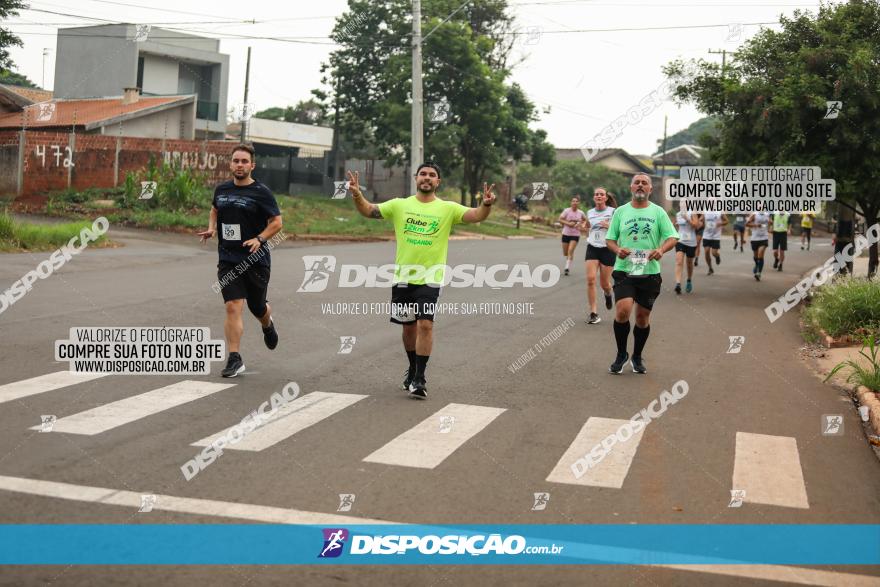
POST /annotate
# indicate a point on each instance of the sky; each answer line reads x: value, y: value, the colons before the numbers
x: 581, y: 75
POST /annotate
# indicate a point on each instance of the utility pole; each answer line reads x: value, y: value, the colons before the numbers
x: 45, y: 54
x: 247, y: 80
x: 723, y: 53
x: 663, y: 152
x: 416, y: 146
x: 334, y: 173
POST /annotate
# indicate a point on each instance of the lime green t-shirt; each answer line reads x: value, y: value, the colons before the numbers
x: 780, y: 222
x: 422, y: 232
x: 640, y: 230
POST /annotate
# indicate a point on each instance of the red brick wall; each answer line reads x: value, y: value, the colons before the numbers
x: 49, y: 158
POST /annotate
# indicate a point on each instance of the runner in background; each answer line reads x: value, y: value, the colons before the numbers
x: 599, y: 258
x: 686, y: 248
x: 699, y: 240
x: 572, y: 220
x: 807, y: 229
x: 714, y: 222
x: 739, y: 231
x: 781, y: 230
x: 758, y: 223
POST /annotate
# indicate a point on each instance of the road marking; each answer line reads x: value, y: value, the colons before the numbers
x: 768, y: 468
x: 612, y: 470
x: 184, y: 505
x: 797, y: 575
x: 428, y: 443
x: 275, y: 515
x: 292, y: 417
x: 134, y: 408
x: 44, y: 383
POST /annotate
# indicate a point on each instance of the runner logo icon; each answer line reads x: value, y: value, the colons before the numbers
x: 334, y: 541
x: 318, y: 270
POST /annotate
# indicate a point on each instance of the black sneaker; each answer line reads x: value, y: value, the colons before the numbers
x: 775, y: 262
x: 696, y: 261
x: 270, y: 335
x: 417, y: 389
x: 594, y: 318
x: 717, y: 259
x: 609, y: 303
x: 566, y: 272
x: 617, y: 366
x: 711, y: 271
x: 234, y: 366
x: 678, y: 288
x: 407, y: 379
x: 637, y: 365
x: 779, y: 268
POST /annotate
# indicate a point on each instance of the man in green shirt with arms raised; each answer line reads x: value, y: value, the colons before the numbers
x: 422, y: 223
x: 639, y: 234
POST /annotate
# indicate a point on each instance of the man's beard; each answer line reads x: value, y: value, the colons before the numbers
x: 424, y: 190
x: 640, y: 196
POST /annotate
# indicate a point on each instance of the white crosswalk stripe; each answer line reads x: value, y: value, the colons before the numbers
x: 49, y: 382
x: 430, y: 442
x: 768, y: 468
x: 611, y: 471
x: 292, y: 417
x: 131, y: 409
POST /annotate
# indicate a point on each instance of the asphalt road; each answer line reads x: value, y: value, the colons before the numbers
x: 753, y: 418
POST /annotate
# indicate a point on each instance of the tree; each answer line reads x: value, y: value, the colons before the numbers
x: 700, y: 132
x: 771, y: 100
x: 575, y: 178
x: 464, y: 52
x: 7, y: 38
x: 13, y: 78
x: 305, y: 112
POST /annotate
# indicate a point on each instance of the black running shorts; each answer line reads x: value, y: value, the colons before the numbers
x: 411, y: 302
x: 601, y: 254
x: 712, y: 243
x: 567, y: 239
x: 780, y: 241
x: 252, y: 285
x: 643, y: 289
x: 689, y: 251
x: 758, y: 244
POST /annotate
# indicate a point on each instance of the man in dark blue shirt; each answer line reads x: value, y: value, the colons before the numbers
x: 247, y: 215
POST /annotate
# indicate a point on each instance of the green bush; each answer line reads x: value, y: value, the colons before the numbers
x: 861, y: 375
x: 847, y: 306
x: 177, y: 188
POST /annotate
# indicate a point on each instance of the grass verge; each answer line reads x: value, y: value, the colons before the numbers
x: 24, y: 236
x: 846, y: 307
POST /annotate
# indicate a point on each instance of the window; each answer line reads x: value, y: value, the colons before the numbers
x: 140, y: 75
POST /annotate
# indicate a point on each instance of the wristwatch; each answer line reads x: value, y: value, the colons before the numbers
x: 261, y: 239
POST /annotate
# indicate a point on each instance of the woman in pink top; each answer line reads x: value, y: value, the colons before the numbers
x: 573, y: 222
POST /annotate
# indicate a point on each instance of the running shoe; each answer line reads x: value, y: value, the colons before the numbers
x: 735, y: 245
x: 417, y: 389
x: 678, y: 288
x: 609, y: 303
x: 594, y: 318
x: 270, y: 335
x: 688, y: 286
x: 696, y: 261
x: 566, y: 272
x: 234, y: 366
x: 617, y: 366
x: 717, y: 259
x: 757, y: 276
x: 711, y: 271
x: 407, y: 379
x: 802, y: 247
x: 637, y: 365
x: 775, y: 262
x: 779, y: 268
x: 740, y: 248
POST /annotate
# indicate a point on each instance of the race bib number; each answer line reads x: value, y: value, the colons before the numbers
x: 597, y: 238
x: 403, y: 312
x: 232, y: 232
x: 638, y: 261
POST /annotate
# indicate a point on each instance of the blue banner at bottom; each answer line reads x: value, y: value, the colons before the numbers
x: 257, y: 544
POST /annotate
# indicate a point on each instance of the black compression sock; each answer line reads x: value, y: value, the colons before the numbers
x: 621, y: 333
x: 411, y: 355
x: 640, y: 335
x: 421, y: 365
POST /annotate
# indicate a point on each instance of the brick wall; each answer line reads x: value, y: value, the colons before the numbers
x: 56, y: 161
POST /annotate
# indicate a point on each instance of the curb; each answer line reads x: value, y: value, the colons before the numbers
x: 870, y: 399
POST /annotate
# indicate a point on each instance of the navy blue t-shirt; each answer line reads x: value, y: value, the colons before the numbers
x: 243, y: 212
